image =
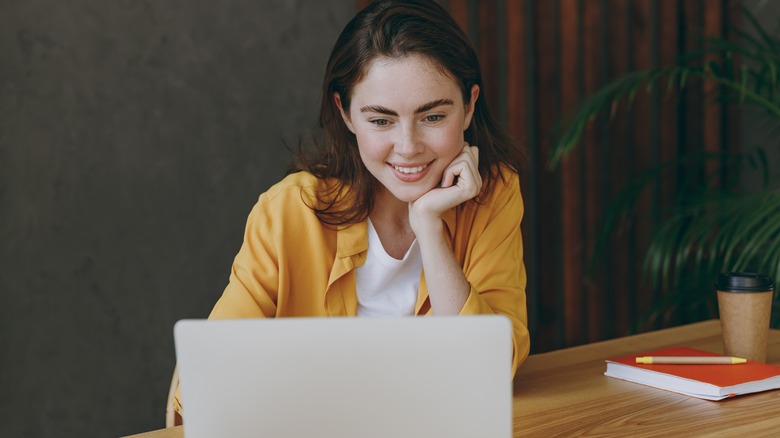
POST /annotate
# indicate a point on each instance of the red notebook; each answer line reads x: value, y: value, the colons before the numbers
x: 710, y: 382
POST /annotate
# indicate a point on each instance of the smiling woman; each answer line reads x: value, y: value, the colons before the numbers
x: 409, y: 118
x: 411, y: 203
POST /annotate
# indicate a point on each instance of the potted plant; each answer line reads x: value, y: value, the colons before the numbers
x: 719, y: 225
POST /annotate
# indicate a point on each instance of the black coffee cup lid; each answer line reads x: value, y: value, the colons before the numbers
x: 744, y: 282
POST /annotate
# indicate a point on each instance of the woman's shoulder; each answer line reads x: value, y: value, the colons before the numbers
x: 289, y: 204
x: 299, y: 186
x: 504, y: 182
x: 508, y: 174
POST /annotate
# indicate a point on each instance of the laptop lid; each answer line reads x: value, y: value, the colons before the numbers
x: 346, y: 377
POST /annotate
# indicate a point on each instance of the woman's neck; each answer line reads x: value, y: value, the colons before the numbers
x: 390, y: 218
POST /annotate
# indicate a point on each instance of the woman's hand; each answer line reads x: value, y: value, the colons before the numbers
x: 460, y: 182
x: 448, y: 287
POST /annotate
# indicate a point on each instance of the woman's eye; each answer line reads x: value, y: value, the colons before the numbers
x: 379, y: 122
x: 433, y: 118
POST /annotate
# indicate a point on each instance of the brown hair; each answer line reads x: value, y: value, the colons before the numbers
x: 393, y: 29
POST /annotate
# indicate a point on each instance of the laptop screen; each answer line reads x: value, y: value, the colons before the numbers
x: 346, y: 377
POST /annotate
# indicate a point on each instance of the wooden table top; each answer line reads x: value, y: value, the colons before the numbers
x: 565, y: 393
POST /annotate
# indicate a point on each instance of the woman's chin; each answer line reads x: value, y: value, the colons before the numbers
x: 410, y: 195
x: 409, y: 192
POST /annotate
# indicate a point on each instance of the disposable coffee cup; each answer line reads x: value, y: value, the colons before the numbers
x: 745, y: 304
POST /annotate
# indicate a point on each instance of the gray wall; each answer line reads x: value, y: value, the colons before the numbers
x: 135, y: 136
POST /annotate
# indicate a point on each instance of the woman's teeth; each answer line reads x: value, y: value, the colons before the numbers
x: 410, y: 169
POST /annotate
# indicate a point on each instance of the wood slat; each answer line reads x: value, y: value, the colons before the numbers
x: 692, y: 94
x: 520, y: 124
x: 731, y: 114
x: 459, y: 9
x: 644, y: 129
x: 621, y: 291
x: 571, y: 205
x: 488, y: 53
x: 517, y: 72
x: 668, y: 50
x: 548, y: 196
x: 593, y: 61
x: 712, y: 132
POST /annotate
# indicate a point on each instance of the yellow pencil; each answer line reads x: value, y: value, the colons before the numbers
x: 690, y: 360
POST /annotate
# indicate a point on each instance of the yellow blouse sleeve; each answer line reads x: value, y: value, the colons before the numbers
x: 251, y: 292
x: 494, y: 263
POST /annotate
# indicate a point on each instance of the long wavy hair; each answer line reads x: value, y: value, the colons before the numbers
x: 393, y: 29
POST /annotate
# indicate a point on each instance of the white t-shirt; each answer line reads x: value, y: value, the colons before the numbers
x: 387, y: 286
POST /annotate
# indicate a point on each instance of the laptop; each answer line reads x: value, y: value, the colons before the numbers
x: 346, y: 377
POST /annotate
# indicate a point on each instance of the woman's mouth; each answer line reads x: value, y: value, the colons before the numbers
x: 410, y: 174
x: 408, y: 170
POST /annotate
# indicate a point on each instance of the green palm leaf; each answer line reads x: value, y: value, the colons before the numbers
x: 709, y: 228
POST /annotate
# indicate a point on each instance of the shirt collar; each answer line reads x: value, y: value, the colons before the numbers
x: 352, y: 240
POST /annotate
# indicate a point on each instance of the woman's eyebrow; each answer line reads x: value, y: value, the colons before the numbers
x: 378, y: 109
x: 433, y: 104
x: 421, y: 109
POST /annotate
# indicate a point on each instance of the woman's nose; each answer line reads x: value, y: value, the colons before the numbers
x: 409, y: 144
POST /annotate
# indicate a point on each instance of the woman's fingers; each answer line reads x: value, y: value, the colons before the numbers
x: 464, y: 171
x: 460, y: 182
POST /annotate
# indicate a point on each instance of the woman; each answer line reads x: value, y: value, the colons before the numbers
x: 411, y: 203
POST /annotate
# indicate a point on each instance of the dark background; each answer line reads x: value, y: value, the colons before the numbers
x: 135, y: 136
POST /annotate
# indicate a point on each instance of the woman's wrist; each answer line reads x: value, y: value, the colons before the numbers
x: 427, y: 228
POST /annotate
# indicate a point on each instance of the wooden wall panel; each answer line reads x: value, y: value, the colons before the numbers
x: 487, y: 50
x: 619, y: 261
x: 712, y: 114
x: 594, y: 184
x: 551, y: 322
x: 644, y: 142
x: 668, y: 106
x: 459, y: 9
x: 571, y: 199
x: 520, y: 95
x: 539, y: 59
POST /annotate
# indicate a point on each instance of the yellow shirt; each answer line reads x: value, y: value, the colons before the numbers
x: 290, y: 264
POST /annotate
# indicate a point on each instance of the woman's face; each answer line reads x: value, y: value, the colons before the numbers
x: 409, y: 119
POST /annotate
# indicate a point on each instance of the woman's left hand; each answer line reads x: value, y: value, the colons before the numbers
x: 460, y: 182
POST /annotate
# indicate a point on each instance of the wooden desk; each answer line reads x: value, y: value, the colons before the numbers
x: 565, y: 393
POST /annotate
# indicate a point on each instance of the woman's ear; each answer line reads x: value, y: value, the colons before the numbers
x: 344, y: 115
x: 470, y: 106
